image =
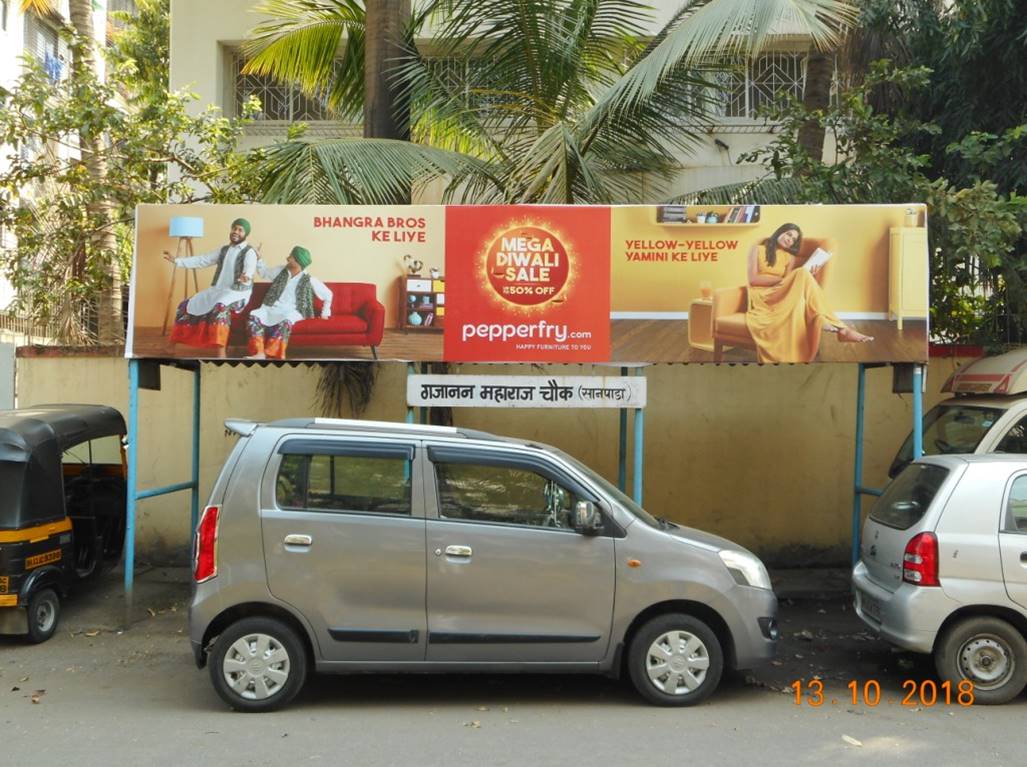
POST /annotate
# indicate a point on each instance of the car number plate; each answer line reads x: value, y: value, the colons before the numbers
x: 871, y: 607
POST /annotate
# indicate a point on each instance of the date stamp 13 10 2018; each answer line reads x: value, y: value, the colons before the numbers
x: 925, y: 694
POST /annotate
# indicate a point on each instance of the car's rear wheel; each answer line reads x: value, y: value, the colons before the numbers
x: 986, y: 651
x: 675, y: 660
x: 258, y: 664
x: 43, y: 613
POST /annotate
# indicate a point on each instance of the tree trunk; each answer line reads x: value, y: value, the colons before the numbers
x: 386, y: 115
x: 103, y: 244
x: 816, y: 97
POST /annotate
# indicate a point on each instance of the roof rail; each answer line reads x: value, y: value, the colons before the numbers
x: 354, y: 423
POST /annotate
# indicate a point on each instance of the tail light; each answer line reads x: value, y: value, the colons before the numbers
x: 920, y: 560
x: 206, y: 565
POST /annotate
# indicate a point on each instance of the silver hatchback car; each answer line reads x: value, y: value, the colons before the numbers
x: 943, y: 570
x: 348, y: 546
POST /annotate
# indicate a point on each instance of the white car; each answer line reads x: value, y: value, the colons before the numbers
x: 986, y: 414
x: 943, y: 570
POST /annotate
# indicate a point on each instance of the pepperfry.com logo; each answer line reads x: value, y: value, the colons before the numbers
x: 527, y: 266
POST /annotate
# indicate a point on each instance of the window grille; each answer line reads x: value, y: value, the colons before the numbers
x: 125, y: 6
x: 278, y: 101
x: 766, y: 79
x: 43, y: 43
x: 467, y: 79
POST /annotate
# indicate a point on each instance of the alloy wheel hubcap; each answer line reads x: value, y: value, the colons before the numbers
x: 256, y: 666
x: 986, y: 661
x: 677, y: 662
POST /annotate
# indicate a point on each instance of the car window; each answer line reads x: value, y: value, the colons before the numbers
x: 907, y: 497
x: 344, y: 483
x: 1014, y: 440
x: 503, y: 494
x: 1016, y: 507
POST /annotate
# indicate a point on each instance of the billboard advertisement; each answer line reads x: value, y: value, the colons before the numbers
x: 536, y: 284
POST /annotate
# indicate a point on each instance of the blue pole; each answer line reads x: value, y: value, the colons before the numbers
x: 857, y: 505
x: 639, y: 442
x: 918, y: 412
x: 133, y: 461
x: 195, y: 515
x: 622, y: 448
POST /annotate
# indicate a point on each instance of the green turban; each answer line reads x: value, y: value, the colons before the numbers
x: 302, y: 256
x: 244, y: 224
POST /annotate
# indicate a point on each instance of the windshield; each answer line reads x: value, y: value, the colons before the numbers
x: 949, y: 428
x: 906, y: 499
x: 614, y: 492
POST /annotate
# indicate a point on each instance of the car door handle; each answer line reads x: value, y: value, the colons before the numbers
x: 295, y: 539
x: 458, y: 551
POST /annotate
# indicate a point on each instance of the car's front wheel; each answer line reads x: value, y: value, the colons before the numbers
x: 986, y: 651
x: 258, y: 664
x: 675, y: 660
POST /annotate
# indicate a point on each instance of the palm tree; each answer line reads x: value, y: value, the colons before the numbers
x: 103, y: 242
x: 550, y: 101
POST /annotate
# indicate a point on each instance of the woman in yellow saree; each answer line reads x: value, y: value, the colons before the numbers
x: 787, y: 311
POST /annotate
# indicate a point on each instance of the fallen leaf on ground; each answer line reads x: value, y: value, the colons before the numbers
x: 38, y: 695
x: 483, y: 708
x: 475, y: 724
x: 152, y: 612
x: 93, y: 633
x: 23, y: 679
x: 15, y: 689
x: 852, y: 741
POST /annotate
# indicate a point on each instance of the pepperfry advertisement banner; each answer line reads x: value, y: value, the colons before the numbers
x: 536, y: 284
x: 528, y: 284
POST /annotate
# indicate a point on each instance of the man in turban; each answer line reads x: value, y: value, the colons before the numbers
x: 289, y: 299
x: 206, y: 319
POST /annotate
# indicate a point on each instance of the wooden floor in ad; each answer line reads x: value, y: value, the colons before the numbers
x: 667, y: 341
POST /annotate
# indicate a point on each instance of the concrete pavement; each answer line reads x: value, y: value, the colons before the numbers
x: 102, y: 692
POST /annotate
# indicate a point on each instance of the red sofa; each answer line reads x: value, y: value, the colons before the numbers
x: 358, y: 318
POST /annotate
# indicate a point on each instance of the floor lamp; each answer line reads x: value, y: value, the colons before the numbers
x: 185, y: 228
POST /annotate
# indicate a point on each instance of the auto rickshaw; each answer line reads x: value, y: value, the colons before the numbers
x: 62, y: 508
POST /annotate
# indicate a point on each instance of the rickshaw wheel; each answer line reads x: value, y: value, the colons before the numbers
x: 43, y: 613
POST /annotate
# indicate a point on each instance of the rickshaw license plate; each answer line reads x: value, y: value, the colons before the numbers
x: 42, y: 559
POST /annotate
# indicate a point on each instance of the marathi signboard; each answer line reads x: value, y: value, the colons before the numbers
x: 525, y: 391
x: 560, y: 284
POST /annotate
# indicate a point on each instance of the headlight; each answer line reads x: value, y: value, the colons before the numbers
x: 746, y: 569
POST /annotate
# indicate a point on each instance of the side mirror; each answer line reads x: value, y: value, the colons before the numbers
x: 587, y: 518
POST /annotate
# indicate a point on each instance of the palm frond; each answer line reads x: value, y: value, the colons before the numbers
x: 39, y: 7
x: 346, y: 383
x: 358, y: 170
x: 768, y: 190
x: 301, y: 42
x: 710, y: 29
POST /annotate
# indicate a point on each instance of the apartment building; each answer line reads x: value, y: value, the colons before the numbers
x: 205, y: 57
x: 27, y: 36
